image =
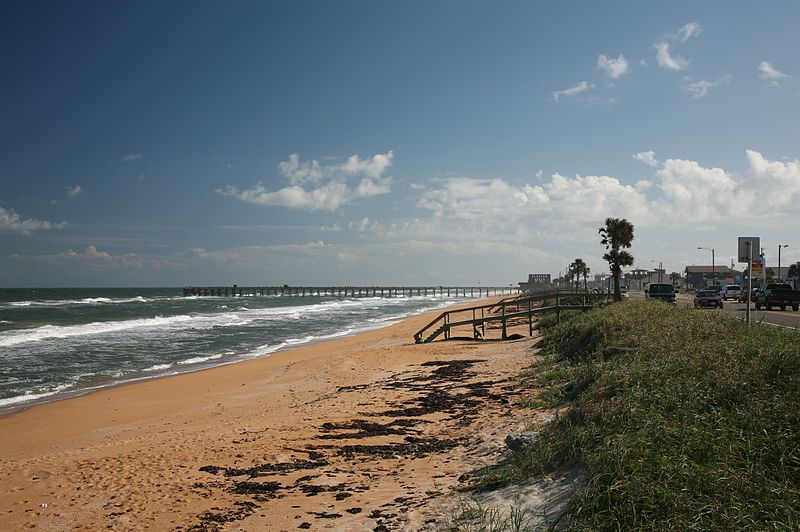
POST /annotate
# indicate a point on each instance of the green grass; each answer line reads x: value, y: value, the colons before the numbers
x: 471, y: 516
x: 697, y: 426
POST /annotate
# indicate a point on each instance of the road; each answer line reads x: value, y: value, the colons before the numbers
x: 782, y: 318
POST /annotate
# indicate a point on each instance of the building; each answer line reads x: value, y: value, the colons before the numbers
x: 536, y: 281
x: 702, y: 276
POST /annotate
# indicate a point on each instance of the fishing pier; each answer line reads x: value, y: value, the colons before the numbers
x: 350, y: 291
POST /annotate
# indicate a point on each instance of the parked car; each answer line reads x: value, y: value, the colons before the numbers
x: 707, y: 299
x: 730, y: 291
x: 743, y: 295
x: 777, y: 295
x: 660, y: 291
x: 623, y: 290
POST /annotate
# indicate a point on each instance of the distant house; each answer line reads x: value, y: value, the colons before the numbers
x: 700, y: 276
x: 536, y: 281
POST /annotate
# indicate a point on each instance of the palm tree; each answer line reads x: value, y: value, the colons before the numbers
x: 794, y: 270
x: 617, y: 234
x: 577, y: 268
x: 674, y: 277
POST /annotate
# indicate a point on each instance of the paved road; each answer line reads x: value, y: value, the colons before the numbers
x: 783, y: 318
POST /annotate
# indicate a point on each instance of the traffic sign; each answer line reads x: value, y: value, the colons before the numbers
x: 758, y: 267
x: 744, y: 249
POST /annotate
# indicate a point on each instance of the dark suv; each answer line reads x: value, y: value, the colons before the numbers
x: 660, y: 291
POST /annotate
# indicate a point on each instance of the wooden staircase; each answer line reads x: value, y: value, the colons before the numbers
x: 506, y: 310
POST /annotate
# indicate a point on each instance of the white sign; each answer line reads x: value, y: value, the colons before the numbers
x: 744, y: 249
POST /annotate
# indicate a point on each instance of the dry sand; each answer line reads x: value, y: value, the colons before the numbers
x: 369, y: 432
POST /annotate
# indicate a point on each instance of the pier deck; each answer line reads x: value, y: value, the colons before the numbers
x: 350, y: 291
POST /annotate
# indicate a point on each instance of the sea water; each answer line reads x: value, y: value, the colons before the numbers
x: 55, y: 343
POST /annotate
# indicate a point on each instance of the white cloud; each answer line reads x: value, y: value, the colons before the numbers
x: 131, y: 158
x: 702, y: 87
x: 685, y: 193
x: 647, y: 157
x: 498, y: 202
x: 771, y: 74
x: 688, y: 31
x: 74, y: 191
x: 613, y: 68
x: 11, y: 222
x: 696, y: 193
x: 778, y: 182
x: 668, y: 61
x: 581, y: 86
x: 330, y: 186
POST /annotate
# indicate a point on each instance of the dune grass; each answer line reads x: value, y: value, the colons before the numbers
x: 693, y: 423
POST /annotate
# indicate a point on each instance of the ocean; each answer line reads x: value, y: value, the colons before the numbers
x: 55, y: 343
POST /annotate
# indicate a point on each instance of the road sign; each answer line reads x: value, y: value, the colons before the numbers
x: 744, y: 249
x: 758, y: 267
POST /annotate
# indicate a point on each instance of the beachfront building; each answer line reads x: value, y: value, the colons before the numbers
x: 536, y: 281
x: 702, y: 276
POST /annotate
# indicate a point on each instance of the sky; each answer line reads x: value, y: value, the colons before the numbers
x: 390, y: 143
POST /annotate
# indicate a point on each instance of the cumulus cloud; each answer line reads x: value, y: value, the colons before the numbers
x: 613, y: 68
x: 771, y: 74
x: 647, y: 157
x: 697, y: 193
x: 74, y: 191
x: 12, y: 222
x: 667, y: 60
x: 701, y: 88
x: 131, y: 158
x: 778, y: 182
x: 581, y: 86
x: 681, y: 192
x: 577, y: 198
x: 329, y: 186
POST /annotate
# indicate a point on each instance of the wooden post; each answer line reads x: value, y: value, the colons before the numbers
x: 503, y: 310
x: 530, y: 319
x: 558, y: 308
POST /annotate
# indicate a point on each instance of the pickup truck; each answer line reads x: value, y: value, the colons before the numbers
x: 777, y: 295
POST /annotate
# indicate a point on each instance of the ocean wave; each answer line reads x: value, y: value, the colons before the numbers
x: 33, y: 396
x: 199, y: 360
x: 83, y: 301
x: 158, y: 367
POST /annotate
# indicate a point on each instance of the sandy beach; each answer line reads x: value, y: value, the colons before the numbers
x: 369, y: 432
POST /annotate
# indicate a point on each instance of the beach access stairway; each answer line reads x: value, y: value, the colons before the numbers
x: 350, y: 291
x: 509, y: 311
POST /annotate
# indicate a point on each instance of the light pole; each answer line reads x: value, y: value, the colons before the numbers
x: 713, y: 269
x: 660, y: 270
x: 779, y: 259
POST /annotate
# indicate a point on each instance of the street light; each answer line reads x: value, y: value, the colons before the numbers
x: 713, y: 269
x: 779, y: 259
x: 660, y: 270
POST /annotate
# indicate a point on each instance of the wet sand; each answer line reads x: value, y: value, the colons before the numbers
x: 369, y: 432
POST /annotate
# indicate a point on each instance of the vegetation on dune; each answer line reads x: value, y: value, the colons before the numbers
x: 680, y: 419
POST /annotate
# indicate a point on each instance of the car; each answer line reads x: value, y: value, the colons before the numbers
x: 730, y: 291
x: 623, y: 290
x: 660, y: 292
x: 743, y: 295
x: 707, y: 299
x: 777, y: 295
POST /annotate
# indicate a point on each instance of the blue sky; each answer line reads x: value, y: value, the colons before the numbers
x: 449, y: 142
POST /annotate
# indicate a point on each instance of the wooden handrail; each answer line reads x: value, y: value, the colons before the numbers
x: 562, y: 302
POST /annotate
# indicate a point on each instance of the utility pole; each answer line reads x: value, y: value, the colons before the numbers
x: 779, y: 259
x: 713, y: 268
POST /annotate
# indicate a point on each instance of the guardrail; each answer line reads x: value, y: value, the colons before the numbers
x: 506, y: 310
